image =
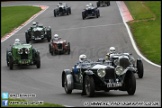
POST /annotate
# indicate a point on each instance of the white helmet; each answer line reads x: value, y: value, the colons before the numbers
x: 82, y: 57
x: 17, y: 41
x: 55, y: 36
x: 90, y: 4
x: 34, y: 23
x: 112, y: 49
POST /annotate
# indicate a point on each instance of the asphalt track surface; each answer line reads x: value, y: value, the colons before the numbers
x: 92, y: 37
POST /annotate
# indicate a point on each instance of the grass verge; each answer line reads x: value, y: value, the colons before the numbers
x: 14, y: 16
x: 23, y: 103
x: 146, y: 27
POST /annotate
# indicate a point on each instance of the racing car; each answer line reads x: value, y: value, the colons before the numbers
x: 59, y: 46
x: 103, y: 3
x: 93, y: 76
x: 90, y: 11
x: 62, y: 9
x: 38, y: 32
x: 22, y: 54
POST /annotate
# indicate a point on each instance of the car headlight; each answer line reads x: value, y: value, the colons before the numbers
x: 27, y: 51
x: 20, y: 51
x: 119, y: 70
x: 101, y: 72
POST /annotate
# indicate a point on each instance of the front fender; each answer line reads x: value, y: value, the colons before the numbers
x: 132, y: 69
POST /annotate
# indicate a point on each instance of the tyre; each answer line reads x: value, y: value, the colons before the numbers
x: 67, y: 90
x: 69, y: 48
x: 11, y: 62
x: 108, y: 3
x: 83, y: 15
x: 98, y: 4
x: 50, y: 49
x: 54, y: 13
x: 27, y: 37
x: 98, y: 13
x: 130, y: 83
x: 89, y: 86
x: 70, y: 10
x: 140, y: 69
x: 38, y: 61
x: 7, y: 58
x: 53, y: 52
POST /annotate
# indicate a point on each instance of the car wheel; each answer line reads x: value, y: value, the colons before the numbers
x: 98, y: 4
x: 108, y: 4
x: 54, y: 13
x: 140, y: 69
x: 27, y: 37
x: 70, y: 10
x: 68, y: 91
x: 7, y: 58
x: 50, y: 48
x: 38, y: 61
x: 11, y: 63
x: 89, y: 86
x: 68, y: 48
x: 130, y: 83
x: 83, y: 15
x: 98, y: 13
x: 53, y: 52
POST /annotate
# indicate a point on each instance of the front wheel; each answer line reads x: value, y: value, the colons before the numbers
x: 83, y: 15
x: 89, y: 86
x: 131, y: 83
x: 27, y: 37
x: 38, y: 61
x: 67, y: 90
x: 11, y: 63
x: 54, y: 13
x: 68, y: 48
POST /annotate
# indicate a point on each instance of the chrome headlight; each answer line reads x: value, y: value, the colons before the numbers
x: 119, y: 70
x: 20, y: 51
x: 101, y: 72
x: 27, y: 51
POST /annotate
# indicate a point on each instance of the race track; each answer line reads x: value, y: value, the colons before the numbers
x: 92, y: 37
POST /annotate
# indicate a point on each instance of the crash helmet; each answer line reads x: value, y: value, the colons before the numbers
x: 82, y: 58
x: 112, y: 50
x: 56, y: 36
x: 90, y: 4
x: 17, y: 41
x: 34, y: 23
x: 60, y: 3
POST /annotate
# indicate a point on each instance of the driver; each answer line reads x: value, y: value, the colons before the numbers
x: 35, y: 24
x: 56, y: 37
x: 17, y: 42
x: 112, y: 50
x: 90, y: 4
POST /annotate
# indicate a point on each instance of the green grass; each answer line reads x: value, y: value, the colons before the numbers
x: 146, y: 27
x: 38, y: 105
x: 14, y: 16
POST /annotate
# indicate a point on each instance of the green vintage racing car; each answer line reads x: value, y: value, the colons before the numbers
x: 22, y: 54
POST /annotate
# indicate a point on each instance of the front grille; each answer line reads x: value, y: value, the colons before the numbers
x: 24, y: 56
x: 89, y: 11
x: 59, y: 46
x: 60, y: 9
x: 110, y: 74
x: 37, y: 33
x: 124, y: 62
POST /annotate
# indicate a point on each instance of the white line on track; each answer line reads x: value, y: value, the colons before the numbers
x: 132, y: 40
x: 88, y: 27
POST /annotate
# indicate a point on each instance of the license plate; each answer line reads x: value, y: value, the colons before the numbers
x: 119, y: 84
x: 38, y: 38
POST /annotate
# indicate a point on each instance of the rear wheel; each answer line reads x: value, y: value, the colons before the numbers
x: 70, y: 10
x: 98, y: 4
x: 108, y: 3
x: 140, y: 68
x: 27, y: 37
x: 89, y: 86
x: 7, y: 58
